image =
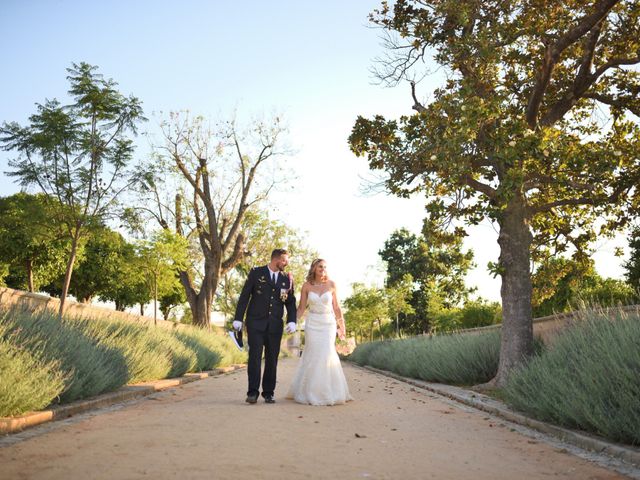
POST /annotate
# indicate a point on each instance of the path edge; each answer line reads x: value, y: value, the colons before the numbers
x: 488, y: 404
x: 9, y: 425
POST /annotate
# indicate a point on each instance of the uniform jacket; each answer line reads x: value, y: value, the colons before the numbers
x: 264, y: 302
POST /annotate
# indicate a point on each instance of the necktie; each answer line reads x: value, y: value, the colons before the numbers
x: 274, y: 277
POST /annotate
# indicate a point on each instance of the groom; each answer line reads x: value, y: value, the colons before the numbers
x: 266, y: 292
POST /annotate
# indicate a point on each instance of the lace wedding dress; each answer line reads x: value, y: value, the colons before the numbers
x: 319, y: 379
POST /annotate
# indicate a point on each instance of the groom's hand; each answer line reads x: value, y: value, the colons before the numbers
x: 291, y: 327
x: 237, y: 325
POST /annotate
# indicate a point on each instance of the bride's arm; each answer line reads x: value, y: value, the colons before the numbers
x: 302, y: 306
x: 342, y: 331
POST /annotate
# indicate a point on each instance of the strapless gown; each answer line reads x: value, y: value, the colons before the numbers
x: 319, y: 379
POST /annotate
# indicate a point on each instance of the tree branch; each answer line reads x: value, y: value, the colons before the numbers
x: 417, y: 106
x: 545, y: 207
x: 487, y: 190
x: 553, y: 52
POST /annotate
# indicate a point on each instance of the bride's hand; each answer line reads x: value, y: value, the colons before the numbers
x: 341, y: 334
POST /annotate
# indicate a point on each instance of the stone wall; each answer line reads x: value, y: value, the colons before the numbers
x: 548, y: 327
x: 35, y: 301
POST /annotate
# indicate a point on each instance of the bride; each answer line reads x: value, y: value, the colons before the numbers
x: 319, y: 379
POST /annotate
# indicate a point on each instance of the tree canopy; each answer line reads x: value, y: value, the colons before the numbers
x: 77, y: 154
x: 534, y: 128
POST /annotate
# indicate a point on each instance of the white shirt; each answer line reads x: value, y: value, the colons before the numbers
x: 273, y: 278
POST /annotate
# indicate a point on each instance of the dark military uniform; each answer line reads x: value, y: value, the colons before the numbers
x: 264, y: 303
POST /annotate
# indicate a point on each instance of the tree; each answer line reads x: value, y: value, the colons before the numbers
x: 263, y: 235
x: 218, y: 183
x: 172, y: 298
x: 106, y: 253
x: 31, y: 245
x: 160, y: 259
x: 557, y: 283
x: 437, y: 265
x: 479, y: 313
x: 562, y: 285
x: 366, y: 306
x: 77, y: 154
x: 398, y: 300
x: 632, y: 266
x: 532, y: 127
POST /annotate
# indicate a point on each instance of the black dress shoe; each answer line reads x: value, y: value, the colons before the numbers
x: 269, y: 399
x: 252, y: 398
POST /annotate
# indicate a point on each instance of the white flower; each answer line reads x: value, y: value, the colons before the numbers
x: 617, y: 153
x: 512, y: 143
x: 528, y: 132
x: 463, y: 108
x: 433, y: 157
x: 545, y: 153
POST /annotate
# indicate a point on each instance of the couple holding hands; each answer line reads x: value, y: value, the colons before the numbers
x: 319, y: 379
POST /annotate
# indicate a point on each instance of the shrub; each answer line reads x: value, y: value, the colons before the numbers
x: 43, y: 358
x: 479, y: 313
x: 205, y: 345
x: 27, y: 382
x: 457, y: 359
x: 89, y: 368
x: 588, y: 380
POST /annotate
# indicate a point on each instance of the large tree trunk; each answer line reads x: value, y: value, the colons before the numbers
x: 69, y: 271
x: 201, y: 302
x: 198, y: 306
x: 515, y: 251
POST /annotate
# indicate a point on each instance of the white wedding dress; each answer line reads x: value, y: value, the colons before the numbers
x: 319, y: 379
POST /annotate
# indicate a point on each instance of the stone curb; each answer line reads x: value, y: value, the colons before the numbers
x: 129, y: 392
x: 490, y: 405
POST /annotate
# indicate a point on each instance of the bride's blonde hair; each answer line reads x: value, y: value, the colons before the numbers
x: 311, y: 276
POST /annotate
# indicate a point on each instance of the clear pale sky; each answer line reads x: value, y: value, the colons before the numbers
x: 309, y: 61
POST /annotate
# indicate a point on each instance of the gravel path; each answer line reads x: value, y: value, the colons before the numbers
x: 204, y: 430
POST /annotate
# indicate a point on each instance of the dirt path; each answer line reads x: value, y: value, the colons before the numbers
x: 204, y: 430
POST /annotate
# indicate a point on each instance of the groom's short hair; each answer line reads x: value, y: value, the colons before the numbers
x: 278, y: 252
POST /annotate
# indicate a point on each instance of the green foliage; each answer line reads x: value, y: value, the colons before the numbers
x: 632, y: 266
x: 399, y: 300
x: 80, y: 357
x: 217, y: 168
x: 561, y: 285
x: 212, y: 349
x: 456, y: 359
x: 531, y: 127
x: 161, y: 258
x: 473, y: 314
x: 437, y: 265
x: 366, y: 308
x: 77, y: 155
x: 90, y: 369
x: 610, y: 292
x: 129, y: 285
x: 150, y: 353
x: 27, y: 382
x: 31, y: 243
x: 480, y: 313
x: 100, y: 270
x: 263, y: 235
x: 171, y: 298
x: 588, y: 379
x: 4, y: 271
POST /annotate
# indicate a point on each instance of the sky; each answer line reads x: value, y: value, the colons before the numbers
x: 309, y: 62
